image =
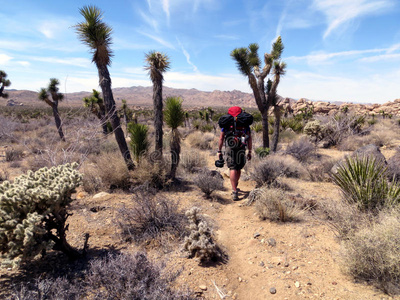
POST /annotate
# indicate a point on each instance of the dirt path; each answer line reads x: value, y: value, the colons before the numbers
x: 282, y: 261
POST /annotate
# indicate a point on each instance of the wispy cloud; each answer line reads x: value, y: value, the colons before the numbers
x: 165, y: 6
x: 149, y: 20
x: 187, y: 55
x: 382, y: 57
x: 4, y: 59
x: 157, y: 39
x: 340, y: 12
x: 74, y: 61
x: 315, y: 58
x: 227, y: 37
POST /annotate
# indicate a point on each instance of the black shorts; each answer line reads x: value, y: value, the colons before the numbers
x: 236, y: 158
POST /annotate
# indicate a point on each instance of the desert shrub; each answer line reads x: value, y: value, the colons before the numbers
x: 14, y: 154
x: 131, y: 277
x: 336, y: 128
x: 274, y: 166
x: 200, y: 140
x: 274, y: 205
x: 320, y: 170
x: 108, y: 169
x: 301, y: 149
x: 344, y: 218
x: 33, y: 212
x: 48, y: 288
x: 373, y: 253
x: 287, y: 136
x: 150, y: 217
x: 363, y: 181
x: 192, y: 161
x: 152, y: 174
x: 209, y: 182
x: 394, y: 166
x: 206, y: 127
x: 352, y: 143
x: 262, y: 152
x: 200, y: 243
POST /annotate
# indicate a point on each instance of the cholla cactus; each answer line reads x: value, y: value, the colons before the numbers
x: 33, y: 213
x: 200, y: 243
x: 314, y: 129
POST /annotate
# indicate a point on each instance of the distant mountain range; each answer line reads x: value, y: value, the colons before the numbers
x: 143, y: 96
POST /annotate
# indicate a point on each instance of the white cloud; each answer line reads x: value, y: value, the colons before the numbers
x: 365, y: 88
x: 187, y: 55
x: 4, y: 59
x: 226, y: 37
x: 158, y: 40
x: 74, y: 61
x: 341, y: 12
x: 382, y: 57
x: 149, y: 20
x: 165, y: 6
x: 24, y: 63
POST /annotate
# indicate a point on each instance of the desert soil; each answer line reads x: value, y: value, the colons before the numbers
x: 264, y: 260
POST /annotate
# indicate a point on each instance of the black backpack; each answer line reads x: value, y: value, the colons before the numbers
x: 234, y: 128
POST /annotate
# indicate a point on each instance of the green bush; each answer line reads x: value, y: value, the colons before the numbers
x: 363, y: 181
x: 257, y: 127
x: 139, y: 141
x: 262, y: 152
x: 33, y: 212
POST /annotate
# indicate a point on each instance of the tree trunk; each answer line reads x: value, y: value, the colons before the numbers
x: 105, y: 84
x: 175, y: 152
x: 275, y: 137
x: 158, y: 117
x: 57, y: 119
x: 265, y: 129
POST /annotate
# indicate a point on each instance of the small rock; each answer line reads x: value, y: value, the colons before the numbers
x: 203, y: 287
x: 309, y: 283
x: 100, y: 195
x: 272, y: 290
x: 334, y: 283
x: 286, y: 264
x: 256, y: 235
x: 271, y: 242
x: 261, y: 264
x: 295, y: 268
x: 297, y: 284
x: 240, y: 279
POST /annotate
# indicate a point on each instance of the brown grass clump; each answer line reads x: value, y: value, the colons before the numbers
x: 373, y: 253
x: 191, y: 161
x: 107, y: 171
x: 209, y: 181
x: 274, y: 205
x: 203, y: 141
x: 152, y: 174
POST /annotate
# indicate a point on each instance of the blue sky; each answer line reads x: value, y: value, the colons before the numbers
x: 336, y: 50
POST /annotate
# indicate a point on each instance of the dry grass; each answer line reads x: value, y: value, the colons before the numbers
x: 373, y: 253
x: 274, y: 205
x: 191, y: 161
x: 203, y: 141
x: 274, y: 166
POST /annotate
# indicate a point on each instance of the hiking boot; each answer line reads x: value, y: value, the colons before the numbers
x: 235, y: 195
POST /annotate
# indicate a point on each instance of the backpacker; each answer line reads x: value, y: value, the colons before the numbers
x: 235, y: 125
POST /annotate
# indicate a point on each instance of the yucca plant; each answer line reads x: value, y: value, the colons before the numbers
x: 174, y: 117
x: 139, y: 141
x: 363, y: 181
x: 4, y: 82
x: 157, y: 63
x: 53, y: 90
x: 96, y: 105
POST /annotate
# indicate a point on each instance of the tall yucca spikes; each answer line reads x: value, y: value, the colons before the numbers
x: 277, y: 48
x: 253, y: 58
x: 240, y: 55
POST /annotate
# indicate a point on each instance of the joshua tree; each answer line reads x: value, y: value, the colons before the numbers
x: 3, y: 83
x: 249, y: 64
x: 174, y: 117
x: 97, y: 35
x: 52, y: 89
x: 139, y: 142
x: 96, y: 105
x: 157, y: 63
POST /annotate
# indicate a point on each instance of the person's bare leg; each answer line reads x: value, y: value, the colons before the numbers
x: 234, y: 176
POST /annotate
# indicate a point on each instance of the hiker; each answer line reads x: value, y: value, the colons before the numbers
x: 235, y: 132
